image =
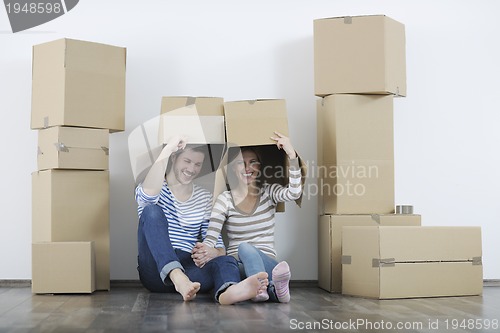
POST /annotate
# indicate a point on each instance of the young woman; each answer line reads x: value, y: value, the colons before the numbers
x: 247, y: 212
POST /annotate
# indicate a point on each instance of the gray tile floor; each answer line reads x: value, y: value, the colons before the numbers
x: 134, y: 309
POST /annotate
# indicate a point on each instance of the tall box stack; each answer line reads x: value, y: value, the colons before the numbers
x: 359, y: 66
x: 365, y: 249
x: 78, y: 99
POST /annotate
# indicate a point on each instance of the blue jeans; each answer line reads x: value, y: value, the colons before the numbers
x: 157, y: 258
x: 253, y: 261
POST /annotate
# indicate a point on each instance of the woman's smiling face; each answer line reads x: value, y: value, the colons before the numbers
x: 246, y: 167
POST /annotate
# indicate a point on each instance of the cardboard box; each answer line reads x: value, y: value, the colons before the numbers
x: 355, y: 154
x: 253, y: 123
x: 73, y: 205
x: 73, y: 148
x: 207, y: 106
x: 63, y: 267
x: 359, y: 54
x: 201, y: 119
x: 78, y: 83
x: 330, y: 242
x: 405, y: 262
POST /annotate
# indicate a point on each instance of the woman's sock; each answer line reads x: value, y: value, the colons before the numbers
x: 281, y: 279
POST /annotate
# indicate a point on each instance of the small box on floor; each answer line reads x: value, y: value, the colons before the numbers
x: 63, y: 267
x: 406, y: 262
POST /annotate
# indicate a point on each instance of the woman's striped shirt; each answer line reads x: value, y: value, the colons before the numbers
x: 256, y: 228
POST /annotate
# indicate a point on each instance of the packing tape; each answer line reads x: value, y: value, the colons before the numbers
x: 106, y: 150
x: 376, y: 218
x: 348, y: 20
x: 346, y: 260
x: 61, y: 147
x: 190, y: 100
x: 404, y: 209
x: 477, y: 261
x: 45, y: 122
x: 252, y: 102
x: 386, y: 262
x: 39, y: 152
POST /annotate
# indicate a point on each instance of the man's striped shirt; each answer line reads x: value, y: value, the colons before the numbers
x: 187, y: 221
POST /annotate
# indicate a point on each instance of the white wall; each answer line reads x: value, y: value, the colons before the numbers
x: 446, y: 130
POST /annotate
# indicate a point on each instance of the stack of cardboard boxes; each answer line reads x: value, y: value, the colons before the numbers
x: 78, y: 98
x: 359, y: 66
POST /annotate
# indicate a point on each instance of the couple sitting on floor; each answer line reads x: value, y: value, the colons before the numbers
x: 175, y: 215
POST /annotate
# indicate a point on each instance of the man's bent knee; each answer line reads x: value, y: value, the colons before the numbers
x: 152, y: 212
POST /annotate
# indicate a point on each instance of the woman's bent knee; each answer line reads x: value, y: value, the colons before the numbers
x: 246, y: 249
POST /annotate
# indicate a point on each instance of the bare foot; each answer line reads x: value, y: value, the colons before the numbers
x: 245, y: 290
x: 188, y: 290
x: 183, y: 285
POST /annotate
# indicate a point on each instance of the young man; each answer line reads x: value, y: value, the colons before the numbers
x: 173, y: 217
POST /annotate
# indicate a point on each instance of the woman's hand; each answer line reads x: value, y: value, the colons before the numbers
x: 284, y: 143
x: 202, y: 253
